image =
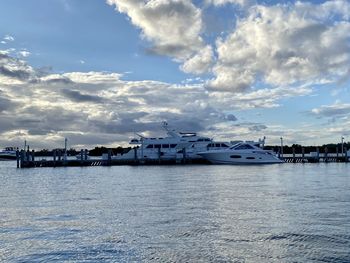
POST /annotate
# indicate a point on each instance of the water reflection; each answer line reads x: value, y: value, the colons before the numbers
x: 211, y: 213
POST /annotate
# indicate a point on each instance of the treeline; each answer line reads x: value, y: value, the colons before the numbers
x: 97, y: 151
x: 332, y: 148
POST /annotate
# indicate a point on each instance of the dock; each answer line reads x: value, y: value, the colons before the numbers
x: 27, y: 159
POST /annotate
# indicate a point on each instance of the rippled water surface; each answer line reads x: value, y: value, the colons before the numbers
x: 203, y: 213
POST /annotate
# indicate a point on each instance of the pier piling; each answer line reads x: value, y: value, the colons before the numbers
x: 54, y: 158
x: 184, y: 155
x: 17, y: 158
x: 303, y: 154
x: 135, y: 155
x: 109, y: 157
x: 81, y: 156
x: 159, y: 155
x: 346, y: 154
x: 337, y: 152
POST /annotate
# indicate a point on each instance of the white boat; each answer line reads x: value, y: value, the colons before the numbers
x: 9, y: 153
x: 174, y: 146
x: 241, y: 153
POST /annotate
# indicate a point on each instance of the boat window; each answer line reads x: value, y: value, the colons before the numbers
x: 157, y: 146
x: 149, y: 146
x: 250, y: 158
x: 207, y: 140
x: 235, y: 156
x: 217, y: 145
x: 224, y: 145
x: 165, y: 145
x: 244, y: 147
x: 211, y: 145
x: 173, y: 145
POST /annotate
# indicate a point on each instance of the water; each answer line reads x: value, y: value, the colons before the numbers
x: 204, y: 213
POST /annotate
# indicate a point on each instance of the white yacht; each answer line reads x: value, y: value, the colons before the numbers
x: 9, y: 153
x: 174, y: 146
x: 241, y: 153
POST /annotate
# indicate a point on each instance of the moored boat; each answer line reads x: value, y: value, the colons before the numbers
x: 241, y: 153
x: 174, y: 146
x: 7, y: 154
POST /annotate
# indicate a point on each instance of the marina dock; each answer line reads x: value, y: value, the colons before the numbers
x: 27, y: 159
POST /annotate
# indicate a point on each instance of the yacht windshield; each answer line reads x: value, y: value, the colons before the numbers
x: 243, y: 146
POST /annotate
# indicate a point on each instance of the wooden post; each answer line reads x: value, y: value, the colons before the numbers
x: 17, y: 157
x: 159, y: 154
x: 33, y: 156
x: 184, y: 155
x: 325, y: 154
x: 27, y: 155
x: 59, y: 153
x: 64, y: 159
x: 293, y: 154
x: 281, y: 147
x: 318, y: 154
x: 135, y: 154
x: 22, y: 158
x: 54, y: 158
x: 85, y: 154
x: 303, y: 154
x: 81, y: 156
x: 346, y: 154
x: 337, y: 152
x: 109, y: 158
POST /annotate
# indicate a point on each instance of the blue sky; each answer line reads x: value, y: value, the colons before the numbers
x: 60, y: 34
x: 232, y: 69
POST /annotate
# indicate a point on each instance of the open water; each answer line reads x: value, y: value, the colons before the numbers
x: 202, y: 213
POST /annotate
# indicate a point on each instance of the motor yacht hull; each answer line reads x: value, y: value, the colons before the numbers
x: 8, y: 157
x: 230, y: 157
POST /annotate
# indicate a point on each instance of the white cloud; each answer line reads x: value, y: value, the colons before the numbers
x: 336, y: 110
x: 9, y: 38
x: 172, y: 26
x: 262, y: 98
x: 24, y: 53
x: 95, y: 104
x: 224, y: 2
x: 13, y: 70
x: 93, y: 77
x: 94, y: 108
x: 284, y: 44
x: 200, y: 63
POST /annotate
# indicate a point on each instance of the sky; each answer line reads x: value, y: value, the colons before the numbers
x: 98, y: 71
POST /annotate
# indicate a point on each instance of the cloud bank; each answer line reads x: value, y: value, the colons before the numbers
x: 102, y: 108
x: 269, y: 53
x: 283, y: 44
